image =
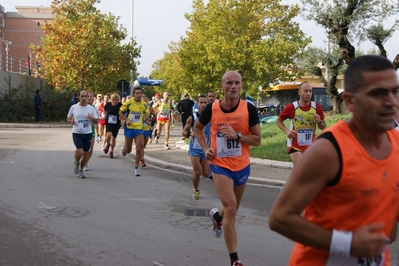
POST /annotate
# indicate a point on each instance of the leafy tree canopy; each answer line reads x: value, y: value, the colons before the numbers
x: 257, y: 38
x: 82, y: 48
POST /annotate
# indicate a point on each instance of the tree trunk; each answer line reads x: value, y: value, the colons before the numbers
x: 336, y: 103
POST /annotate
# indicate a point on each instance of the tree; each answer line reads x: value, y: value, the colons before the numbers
x: 326, y: 65
x: 345, y: 21
x: 257, y: 38
x: 169, y: 69
x: 82, y: 48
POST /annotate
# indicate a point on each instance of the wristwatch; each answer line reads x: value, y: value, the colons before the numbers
x: 239, y: 135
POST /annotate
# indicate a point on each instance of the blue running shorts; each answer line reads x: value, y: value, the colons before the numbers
x: 239, y: 177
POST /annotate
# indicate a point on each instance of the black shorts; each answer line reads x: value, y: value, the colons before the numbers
x: 82, y: 141
x: 114, y: 129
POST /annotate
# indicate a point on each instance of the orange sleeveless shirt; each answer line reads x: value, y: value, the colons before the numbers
x: 230, y: 153
x: 367, y: 192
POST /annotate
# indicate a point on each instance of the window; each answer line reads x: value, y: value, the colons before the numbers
x: 38, y: 23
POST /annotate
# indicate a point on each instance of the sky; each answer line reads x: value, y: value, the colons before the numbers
x: 156, y: 23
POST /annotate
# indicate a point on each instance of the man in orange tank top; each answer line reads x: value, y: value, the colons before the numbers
x: 347, y: 181
x: 234, y: 127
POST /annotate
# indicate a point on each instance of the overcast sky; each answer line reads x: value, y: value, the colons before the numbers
x: 158, y: 22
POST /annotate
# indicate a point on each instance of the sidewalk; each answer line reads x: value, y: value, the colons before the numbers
x: 262, y: 171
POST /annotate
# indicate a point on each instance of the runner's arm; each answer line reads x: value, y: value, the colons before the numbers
x: 187, y: 127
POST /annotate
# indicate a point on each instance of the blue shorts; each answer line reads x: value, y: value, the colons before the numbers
x: 239, y: 177
x: 132, y: 133
x: 82, y: 141
x: 197, y: 153
x: 147, y: 133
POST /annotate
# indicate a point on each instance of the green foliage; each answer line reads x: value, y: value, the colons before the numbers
x: 257, y: 38
x: 274, y: 141
x: 16, y: 105
x: 82, y: 48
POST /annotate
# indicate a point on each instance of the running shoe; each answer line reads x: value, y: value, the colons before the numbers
x: 237, y: 263
x: 166, y: 147
x: 196, y: 194
x: 98, y: 139
x: 107, y: 148
x: 76, y: 169
x: 81, y: 174
x: 136, y: 172
x: 103, y: 148
x: 124, y: 151
x: 111, y: 154
x: 210, y: 177
x: 143, y: 163
x: 173, y: 126
x: 156, y: 139
x: 86, y: 168
x: 217, y: 227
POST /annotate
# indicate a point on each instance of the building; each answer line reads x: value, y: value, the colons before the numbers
x: 18, y: 30
x: 286, y: 92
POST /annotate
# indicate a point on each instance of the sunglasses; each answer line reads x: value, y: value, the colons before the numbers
x: 83, y: 96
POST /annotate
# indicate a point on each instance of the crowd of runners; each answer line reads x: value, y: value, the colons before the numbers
x: 340, y: 204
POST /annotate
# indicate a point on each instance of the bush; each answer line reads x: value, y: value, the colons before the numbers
x: 16, y: 105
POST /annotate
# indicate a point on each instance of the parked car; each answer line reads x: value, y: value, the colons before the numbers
x: 268, y: 119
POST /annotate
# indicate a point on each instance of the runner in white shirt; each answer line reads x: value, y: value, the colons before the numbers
x: 82, y: 116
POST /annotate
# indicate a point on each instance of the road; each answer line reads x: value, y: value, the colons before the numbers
x: 48, y: 216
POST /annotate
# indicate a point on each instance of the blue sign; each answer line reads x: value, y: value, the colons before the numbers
x: 148, y: 82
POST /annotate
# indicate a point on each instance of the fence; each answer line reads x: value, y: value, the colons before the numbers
x: 18, y: 65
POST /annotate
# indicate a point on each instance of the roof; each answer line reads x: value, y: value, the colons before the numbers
x: 29, y: 15
x: 291, y: 86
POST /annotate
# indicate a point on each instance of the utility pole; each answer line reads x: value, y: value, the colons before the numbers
x: 132, y: 59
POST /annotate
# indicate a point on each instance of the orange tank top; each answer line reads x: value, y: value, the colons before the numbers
x: 230, y: 153
x: 367, y: 192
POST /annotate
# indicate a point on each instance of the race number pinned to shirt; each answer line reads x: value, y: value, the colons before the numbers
x: 164, y: 114
x: 84, y: 126
x: 227, y: 147
x: 135, y: 117
x: 337, y: 260
x: 112, y: 119
x: 304, y: 136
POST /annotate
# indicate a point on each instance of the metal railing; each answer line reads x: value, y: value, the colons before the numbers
x: 17, y: 65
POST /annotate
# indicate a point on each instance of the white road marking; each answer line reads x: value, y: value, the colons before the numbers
x: 44, y: 206
x: 157, y: 264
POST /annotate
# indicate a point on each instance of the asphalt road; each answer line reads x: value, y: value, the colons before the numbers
x: 48, y: 216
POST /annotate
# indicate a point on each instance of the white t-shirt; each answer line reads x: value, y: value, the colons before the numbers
x: 82, y: 124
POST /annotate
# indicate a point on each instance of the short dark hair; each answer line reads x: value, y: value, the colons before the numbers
x: 37, y: 91
x: 138, y: 88
x: 201, y: 96
x: 353, y: 79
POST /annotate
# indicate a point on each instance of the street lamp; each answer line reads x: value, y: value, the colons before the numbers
x: 30, y: 60
x: 7, y: 43
x: 131, y: 71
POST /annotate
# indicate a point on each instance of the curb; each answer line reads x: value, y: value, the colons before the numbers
x: 180, y: 145
x: 35, y: 125
x: 259, y: 180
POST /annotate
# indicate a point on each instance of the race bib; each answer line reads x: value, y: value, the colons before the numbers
x: 84, y: 126
x: 227, y: 147
x: 304, y: 136
x: 112, y: 119
x: 135, y: 117
x: 164, y: 114
x: 337, y: 260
